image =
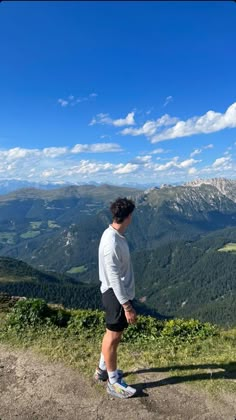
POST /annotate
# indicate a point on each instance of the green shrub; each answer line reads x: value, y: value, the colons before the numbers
x: 91, y: 323
x: 36, y: 312
x: 87, y: 321
x: 60, y: 317
x: 188, y: 330
x: 146, y: 329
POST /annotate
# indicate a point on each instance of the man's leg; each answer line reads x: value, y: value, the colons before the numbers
x: 115, y: 385
x: 110, y: 343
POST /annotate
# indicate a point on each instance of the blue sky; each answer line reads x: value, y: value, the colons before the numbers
x: 117, y: 91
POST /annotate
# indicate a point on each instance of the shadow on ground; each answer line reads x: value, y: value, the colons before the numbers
x: 224, y: 371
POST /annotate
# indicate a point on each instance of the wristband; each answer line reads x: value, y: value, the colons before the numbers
x: 128, y: 308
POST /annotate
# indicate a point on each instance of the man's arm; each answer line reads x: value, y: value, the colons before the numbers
x: 112, y: 264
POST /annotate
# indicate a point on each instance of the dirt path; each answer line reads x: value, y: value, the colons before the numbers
x: 31, y: 388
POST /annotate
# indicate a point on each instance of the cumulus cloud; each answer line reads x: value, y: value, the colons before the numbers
x: 188, y: 162
x: 150, y: 127
x: 175, y: 163
x: 126, y: 168
x: 222, y: 162
x: 144, y: 159
x: 105, y: 119
x: 19, y: 153
x: 64, y: 164
x: 96, y: 148
x: 208, y: 123
x: 53, y: 152
x: 168, y: 128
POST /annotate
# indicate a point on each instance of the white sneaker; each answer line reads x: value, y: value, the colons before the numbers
x: 120, y: 389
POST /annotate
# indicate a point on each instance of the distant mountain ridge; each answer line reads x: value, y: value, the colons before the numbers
x: 9, y: 185
x: 60, y: 229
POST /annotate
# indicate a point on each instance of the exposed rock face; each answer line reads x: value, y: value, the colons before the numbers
x: 227, y: 187
x: 7, y: 301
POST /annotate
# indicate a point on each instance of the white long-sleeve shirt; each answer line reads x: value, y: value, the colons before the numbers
x: 115, y: 267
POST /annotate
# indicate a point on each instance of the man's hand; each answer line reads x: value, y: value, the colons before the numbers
x: 131, y: 316
x: 130, y: 313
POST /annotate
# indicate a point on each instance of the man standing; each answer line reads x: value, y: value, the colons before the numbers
x: 118, y: 291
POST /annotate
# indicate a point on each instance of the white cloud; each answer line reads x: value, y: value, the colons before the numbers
x: 150, y: 127
x: 96, y: 148
x: 159, y: 151
x: 47, y: 173
x: 71, y: 100
x: 162, y: 167
x: 175, y: 163
x: 198, y: 151
x: 210, y: 122
x: 168, y: 100
x: 205, y: 124
x: 53, y: 152
x: 187, y: 163
x: 128, y: 120
x: 105, y: 119
x: 18, y: 153
x: 144, y: 159
x: 63, y: 102
x: 221, y: 162
x: 192, y: 171
x: 64, y: 164
x: 126, y: 168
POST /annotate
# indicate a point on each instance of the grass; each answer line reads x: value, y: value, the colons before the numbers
x: 52, y: 224
x: 7, y: 237
x: 12, y: 279
x: 35, y: 225
x: 76, y: 270
x: 230, y: 247
x: 208, y: 364
x: 30, y: 234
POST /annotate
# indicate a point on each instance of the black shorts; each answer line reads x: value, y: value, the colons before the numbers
x: 114, y: 311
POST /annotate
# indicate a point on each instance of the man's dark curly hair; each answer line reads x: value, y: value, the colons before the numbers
x: 121, y: 208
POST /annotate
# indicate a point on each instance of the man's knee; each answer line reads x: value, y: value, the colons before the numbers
x: 114, y: 336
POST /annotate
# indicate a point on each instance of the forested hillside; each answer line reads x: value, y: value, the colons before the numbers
x: 190, y: 279
x: 174, y: 240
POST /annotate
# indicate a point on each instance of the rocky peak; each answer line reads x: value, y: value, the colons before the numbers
x: 227, y: 187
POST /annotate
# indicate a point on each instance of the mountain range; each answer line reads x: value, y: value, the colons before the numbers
x: 58, y: 230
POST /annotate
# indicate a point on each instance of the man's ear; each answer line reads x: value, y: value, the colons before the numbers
x: 129, y: 217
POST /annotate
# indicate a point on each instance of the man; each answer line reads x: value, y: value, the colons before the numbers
x: 118, y: 291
